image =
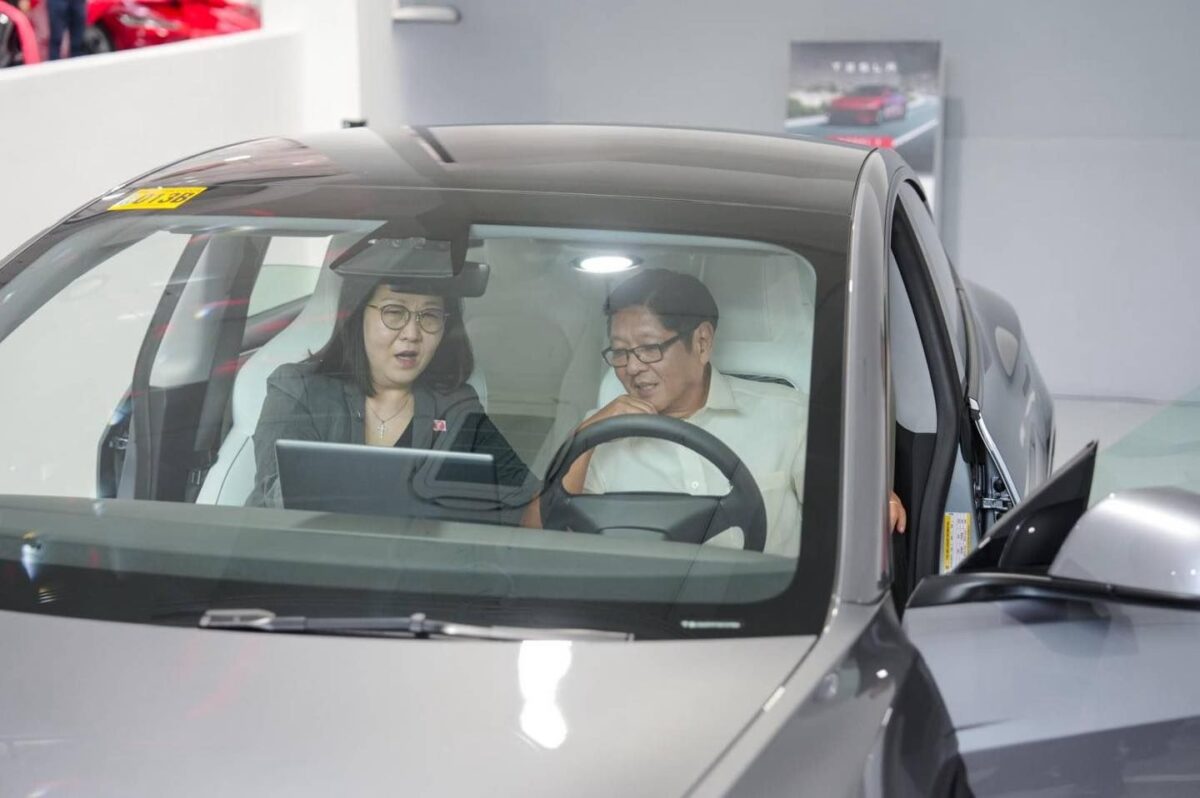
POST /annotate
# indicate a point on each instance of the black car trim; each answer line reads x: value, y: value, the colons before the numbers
x: 144, y: 439
x: 427, y: 136
x: 976, y: 587
x: 935, y: 339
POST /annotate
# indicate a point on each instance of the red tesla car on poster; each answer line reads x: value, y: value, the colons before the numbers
x: 870, y: 104
x: 124, y: 24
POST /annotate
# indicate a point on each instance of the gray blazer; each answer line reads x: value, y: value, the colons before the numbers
x: 304, y: 405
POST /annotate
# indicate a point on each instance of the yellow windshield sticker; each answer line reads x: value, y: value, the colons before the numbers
x: 157, y: 199
x: 956, y: 539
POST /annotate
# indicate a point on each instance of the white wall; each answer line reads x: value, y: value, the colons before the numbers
x: 1068, y: 179
x: 1067, y: 184
x: 73, y: 129
x: 329, y: 68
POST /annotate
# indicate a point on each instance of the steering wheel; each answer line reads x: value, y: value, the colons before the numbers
x: 680, y: 517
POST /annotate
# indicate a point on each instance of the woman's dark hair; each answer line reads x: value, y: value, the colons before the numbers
x: 345, y: 355
x: 681, y: 302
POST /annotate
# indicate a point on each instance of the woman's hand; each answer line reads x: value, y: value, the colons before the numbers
x: 897, y: 517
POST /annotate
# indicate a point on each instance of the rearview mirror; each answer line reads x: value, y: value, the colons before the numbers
x: 415, y: 264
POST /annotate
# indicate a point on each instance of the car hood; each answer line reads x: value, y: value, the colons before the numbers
x: 227, y: 20
x: 98, y: 708
x: 206, y: 19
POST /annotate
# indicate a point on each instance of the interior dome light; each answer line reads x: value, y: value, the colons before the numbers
x: 606, y: 264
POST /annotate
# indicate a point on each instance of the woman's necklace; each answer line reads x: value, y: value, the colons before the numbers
x: 383, y: 422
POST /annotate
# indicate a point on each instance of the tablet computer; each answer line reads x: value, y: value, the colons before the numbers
x: 377, y: 480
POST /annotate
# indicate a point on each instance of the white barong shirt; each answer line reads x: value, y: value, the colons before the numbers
x: 765, y: 424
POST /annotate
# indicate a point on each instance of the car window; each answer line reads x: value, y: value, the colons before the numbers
x: 289, y: 271
x: 163, y: 375
x: 940, y: 270
x: 93, y: 329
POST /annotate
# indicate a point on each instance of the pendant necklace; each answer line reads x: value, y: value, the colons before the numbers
x: 383, y: 422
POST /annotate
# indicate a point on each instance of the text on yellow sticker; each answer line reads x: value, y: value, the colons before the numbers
x: 157, y: 199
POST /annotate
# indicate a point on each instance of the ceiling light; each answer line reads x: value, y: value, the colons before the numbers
x: 425, y: 13
x: 606, y: 264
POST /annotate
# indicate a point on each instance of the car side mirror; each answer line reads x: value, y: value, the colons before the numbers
x: 1028, y: 537
x: 1141, y: 544
x: 1145, y: 540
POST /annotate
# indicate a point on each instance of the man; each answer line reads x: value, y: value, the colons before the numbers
x: 70, y: 17
x: 662, y: 329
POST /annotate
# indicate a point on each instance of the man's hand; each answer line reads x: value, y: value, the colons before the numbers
x: 621, y: 406
x: 897, y: 517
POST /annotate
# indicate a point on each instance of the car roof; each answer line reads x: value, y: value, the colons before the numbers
x: 600, y: 160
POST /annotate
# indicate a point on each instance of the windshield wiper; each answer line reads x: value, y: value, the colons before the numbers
x: 416, y: 625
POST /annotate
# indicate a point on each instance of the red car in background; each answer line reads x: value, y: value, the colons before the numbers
x: 124, y: 24
x: 870, y: 104
x: 18, y: 40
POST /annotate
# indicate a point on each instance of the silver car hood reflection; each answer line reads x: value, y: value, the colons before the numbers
x: 106, y: 709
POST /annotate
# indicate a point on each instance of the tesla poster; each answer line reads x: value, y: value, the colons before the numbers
x: 880, y: 94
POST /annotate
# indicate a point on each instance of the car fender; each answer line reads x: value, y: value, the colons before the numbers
x: 861, y: 715
x: 1014, y: 401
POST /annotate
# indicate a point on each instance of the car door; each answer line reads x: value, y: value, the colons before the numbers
x: 1007, y: 400
x: 948, y: 469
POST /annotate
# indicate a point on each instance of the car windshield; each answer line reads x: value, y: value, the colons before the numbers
x: 343, y: 412
x: 1161, y: 451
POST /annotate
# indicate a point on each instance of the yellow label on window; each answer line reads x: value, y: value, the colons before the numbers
x: 956, y: 539
x: 157, y: 199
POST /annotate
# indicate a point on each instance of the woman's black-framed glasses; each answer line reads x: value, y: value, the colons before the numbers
x: 397, y: 317
x: 647, y: 353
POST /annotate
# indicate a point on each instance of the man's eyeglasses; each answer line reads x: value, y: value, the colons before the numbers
x: 397, y: 317
x: 647, y: 353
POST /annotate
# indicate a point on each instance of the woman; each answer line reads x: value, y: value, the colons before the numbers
x: 393, y: 374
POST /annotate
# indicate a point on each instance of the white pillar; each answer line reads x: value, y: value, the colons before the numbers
x: 329, y: 31
x: 382, y: 89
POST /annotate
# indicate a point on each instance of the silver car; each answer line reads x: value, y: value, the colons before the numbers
x: 198, y: 598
